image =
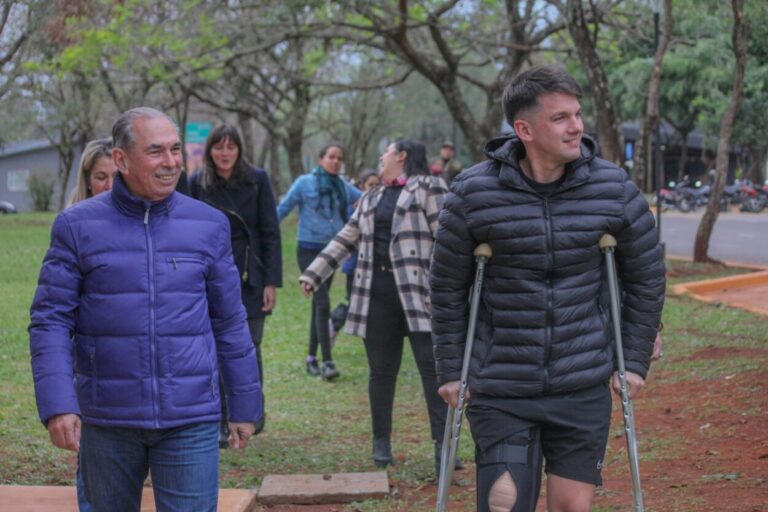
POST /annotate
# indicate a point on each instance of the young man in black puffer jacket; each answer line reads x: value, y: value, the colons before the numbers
x: 543, y: 353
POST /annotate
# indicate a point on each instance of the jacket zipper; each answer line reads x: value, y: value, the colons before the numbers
x: 244, y: 275
x: 550, y: 300
x: 152, y: 348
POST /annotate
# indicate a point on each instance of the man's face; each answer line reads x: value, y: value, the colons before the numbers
x: 447, y: 152
x: 553, y: 131
x: 152, y: 166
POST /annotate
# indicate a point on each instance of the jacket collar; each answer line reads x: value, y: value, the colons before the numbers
x: 132, y: 205
x: 509, y: 150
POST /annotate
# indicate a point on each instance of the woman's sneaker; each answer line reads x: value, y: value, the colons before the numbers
x: 329, y: 371
x: 312, y: 367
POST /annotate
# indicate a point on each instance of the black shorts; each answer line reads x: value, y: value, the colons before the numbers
x: 573, y: 428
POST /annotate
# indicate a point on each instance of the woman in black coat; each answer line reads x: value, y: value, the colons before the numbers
x: 242, y: 191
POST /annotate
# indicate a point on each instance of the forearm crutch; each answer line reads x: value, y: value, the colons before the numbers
x: 453, y: 420
x: 607, y: 246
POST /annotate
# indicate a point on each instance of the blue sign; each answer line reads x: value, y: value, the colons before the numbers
x: 198, y: 132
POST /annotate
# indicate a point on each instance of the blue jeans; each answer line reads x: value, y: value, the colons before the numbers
x: 82, y: 501
x: 184, y: 462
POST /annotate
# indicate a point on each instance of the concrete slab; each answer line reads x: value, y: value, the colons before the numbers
x: 33, y: 498
x: 745, y: 291
x: 322, y: 489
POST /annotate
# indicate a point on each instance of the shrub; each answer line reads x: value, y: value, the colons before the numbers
x: 41, y: 185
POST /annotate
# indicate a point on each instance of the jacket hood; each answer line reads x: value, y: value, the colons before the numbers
x: 508, y: 150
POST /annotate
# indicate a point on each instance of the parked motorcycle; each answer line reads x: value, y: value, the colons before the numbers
x: 754, y: 198
x: 668, y: 197
x: 691, y: 196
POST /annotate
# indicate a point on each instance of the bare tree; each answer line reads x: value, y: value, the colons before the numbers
x: 482, y: 54
x: 608, y: 134
x: 739, y: 40
x: 643, y: 157
x: 70, y: 122
x: 15, y: 29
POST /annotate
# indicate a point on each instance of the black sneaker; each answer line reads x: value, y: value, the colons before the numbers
x: 329, y: 371
x: 313, y: 368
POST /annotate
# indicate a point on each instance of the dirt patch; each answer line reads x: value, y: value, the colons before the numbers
x: 703, y: 446
x: 725, y: 353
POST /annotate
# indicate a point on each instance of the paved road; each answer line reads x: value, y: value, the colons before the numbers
x: 737, y: 237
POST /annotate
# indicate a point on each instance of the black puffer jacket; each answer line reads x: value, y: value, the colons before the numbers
x: 250, y: 207
x: 544, y: 321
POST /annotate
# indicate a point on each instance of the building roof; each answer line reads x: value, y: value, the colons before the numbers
x: 24, y: 146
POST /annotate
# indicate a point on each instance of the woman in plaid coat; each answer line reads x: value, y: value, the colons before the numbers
x: 392, y: 232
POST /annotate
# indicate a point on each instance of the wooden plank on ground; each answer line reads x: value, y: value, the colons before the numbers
x: 39, y: 498
x: 321, y: 489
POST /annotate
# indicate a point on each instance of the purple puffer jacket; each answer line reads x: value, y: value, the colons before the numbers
x: 145, y: 297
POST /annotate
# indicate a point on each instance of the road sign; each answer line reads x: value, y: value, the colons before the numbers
x: 197, y: 132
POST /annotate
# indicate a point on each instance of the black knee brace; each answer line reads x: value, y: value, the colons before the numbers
x: 520, y: 455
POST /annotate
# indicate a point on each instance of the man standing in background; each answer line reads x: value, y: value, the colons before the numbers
x: 446, y: 165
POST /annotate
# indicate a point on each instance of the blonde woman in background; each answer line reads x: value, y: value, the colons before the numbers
x: 96, y: 172
x: 94, y: 176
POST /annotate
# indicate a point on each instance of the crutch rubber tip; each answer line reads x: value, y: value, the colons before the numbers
x: 607, y: 242
x: 483, y: 250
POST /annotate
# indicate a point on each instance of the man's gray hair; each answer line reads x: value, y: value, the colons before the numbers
x: 122, y: 130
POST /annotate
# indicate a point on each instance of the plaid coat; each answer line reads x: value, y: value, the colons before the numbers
x: 413, y: 228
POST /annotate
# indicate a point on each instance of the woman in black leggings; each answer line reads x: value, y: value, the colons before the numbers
x: 392, y: 232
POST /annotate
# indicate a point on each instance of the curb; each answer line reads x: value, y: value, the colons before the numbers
x: 703, y: 290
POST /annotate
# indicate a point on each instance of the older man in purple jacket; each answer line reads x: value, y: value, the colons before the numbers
x: 137, y: 311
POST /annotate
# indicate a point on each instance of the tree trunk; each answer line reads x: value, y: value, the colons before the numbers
x: 739, y: 37
x: 608, y: 135
x: 66, y: 160
x: 757, y: 159
x: 274, y: 166
x: 292, y: 147
x: 644, y: 162
x: 681, y: 164
x: 249, y: 143
x: 261, y: 159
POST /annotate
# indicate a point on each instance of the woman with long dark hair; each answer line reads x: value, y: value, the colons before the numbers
x: 242, y: 191
x: 322, y: 197
x: 392, y: 232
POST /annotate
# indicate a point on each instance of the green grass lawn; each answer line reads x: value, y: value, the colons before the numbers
x: 312, y: 426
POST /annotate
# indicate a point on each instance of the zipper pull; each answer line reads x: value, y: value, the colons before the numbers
x: 245, y: 276
x: 146, y: 216
x: 174, y: 263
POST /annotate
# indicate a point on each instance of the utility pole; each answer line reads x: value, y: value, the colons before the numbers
x: 658, y: 164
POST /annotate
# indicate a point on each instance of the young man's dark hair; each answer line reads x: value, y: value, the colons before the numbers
x: 523, y: 92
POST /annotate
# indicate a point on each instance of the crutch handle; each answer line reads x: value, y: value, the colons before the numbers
x: 607, y: 242
x: 484, y: 251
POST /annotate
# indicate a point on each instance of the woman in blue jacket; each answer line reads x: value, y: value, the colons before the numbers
x: 322, y: 197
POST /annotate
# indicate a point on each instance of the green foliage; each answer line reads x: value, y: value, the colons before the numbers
x: 41, y: 185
